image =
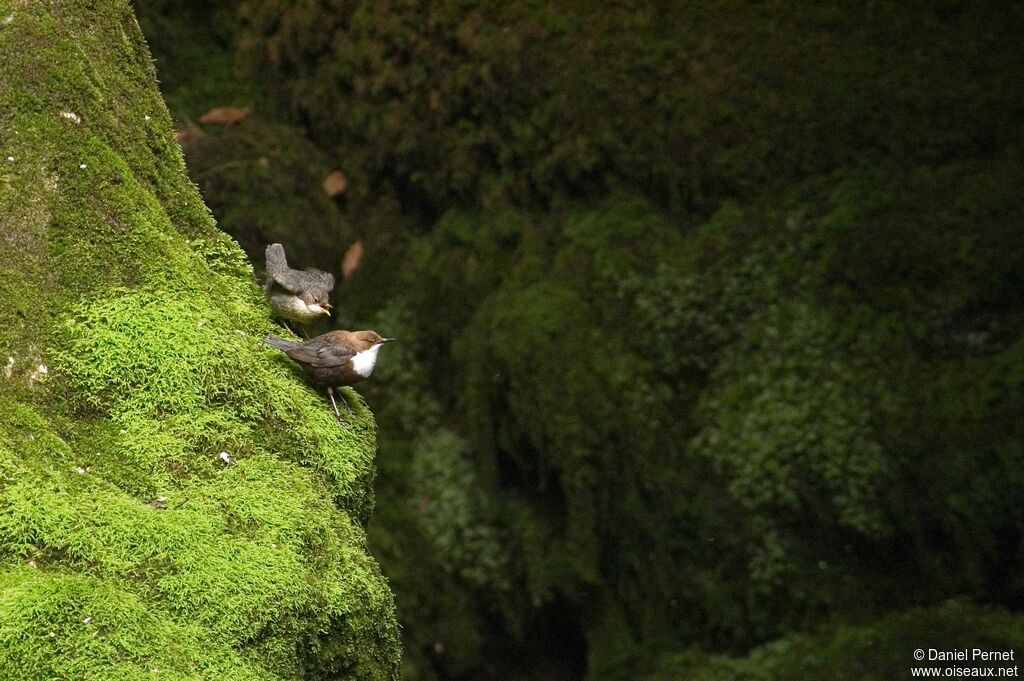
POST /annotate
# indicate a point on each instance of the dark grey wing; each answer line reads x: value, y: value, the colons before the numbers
x: 300, y: 281
x: 333, y: 355
x: 290, y: 280
x: 320, y: 352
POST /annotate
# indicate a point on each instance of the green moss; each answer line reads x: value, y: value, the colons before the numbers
x: 136, y: 361
x: 81, y: 627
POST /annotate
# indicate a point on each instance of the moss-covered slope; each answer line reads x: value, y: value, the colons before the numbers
x: 174, y: 500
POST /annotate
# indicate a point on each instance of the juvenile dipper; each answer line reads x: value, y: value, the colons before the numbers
x: 298, y: 295
x: 336, y: 358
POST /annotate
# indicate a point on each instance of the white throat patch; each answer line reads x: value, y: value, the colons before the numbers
x: 363, y: 361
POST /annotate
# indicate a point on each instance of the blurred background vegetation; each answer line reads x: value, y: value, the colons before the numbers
x: 712, y: 313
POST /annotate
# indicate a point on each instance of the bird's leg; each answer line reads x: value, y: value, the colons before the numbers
x: 344, y: 401
x: 330, y: 393
x: 285, y: 323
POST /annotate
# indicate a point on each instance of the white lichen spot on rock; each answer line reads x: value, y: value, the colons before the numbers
x: 10, y: 159
x: 82, y: 166
x: 71, y: 116
x: 38, y: 374
x: 226, y: 458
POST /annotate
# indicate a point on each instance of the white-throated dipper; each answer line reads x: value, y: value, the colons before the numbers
x: 336, y: 358
x: 298, y: 295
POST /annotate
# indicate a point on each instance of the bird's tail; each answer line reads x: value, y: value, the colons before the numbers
x: 279, y: 343
x: 276, y: 260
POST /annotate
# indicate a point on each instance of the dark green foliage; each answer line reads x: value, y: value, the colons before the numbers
x: 196, y: 71
x: 711, y: 322
x: 688, y: 102
x: 265, y: 186
x: 881, y: 650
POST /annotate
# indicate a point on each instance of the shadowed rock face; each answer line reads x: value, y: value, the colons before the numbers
x: 130, y: 330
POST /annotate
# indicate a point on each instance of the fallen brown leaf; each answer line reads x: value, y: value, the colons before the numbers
x: 335, y: 183
x: 350, y: 261
x: 225, y: 115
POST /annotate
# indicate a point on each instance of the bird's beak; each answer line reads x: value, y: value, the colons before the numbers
x: 326, y: 310
x: 387, y: 340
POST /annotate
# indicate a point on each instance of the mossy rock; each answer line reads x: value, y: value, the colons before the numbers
x: 175, y: 501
